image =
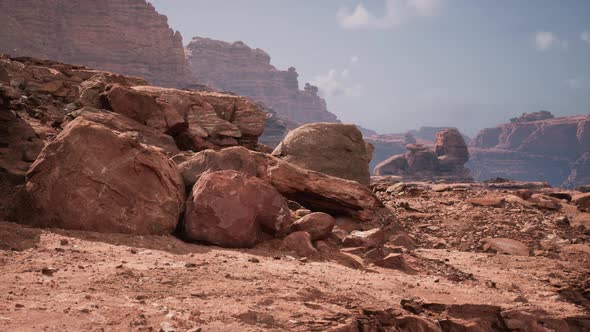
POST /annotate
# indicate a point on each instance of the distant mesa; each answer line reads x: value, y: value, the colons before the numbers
x: 246, y: 71
x: 535, y: 147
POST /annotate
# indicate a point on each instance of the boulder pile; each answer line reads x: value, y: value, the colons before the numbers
x: 121, y: 156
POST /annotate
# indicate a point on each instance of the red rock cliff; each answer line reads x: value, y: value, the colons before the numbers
x: 240, y: 69
x: 532, y: 147
x: 123, y: 36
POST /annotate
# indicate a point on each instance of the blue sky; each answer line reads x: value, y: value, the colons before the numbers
x: 395, y: 65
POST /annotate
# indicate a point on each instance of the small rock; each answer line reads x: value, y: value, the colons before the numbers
x: 367, y: 239
x: 48, y: 271
x: 253, y: 260
x: 487, y: 201
x: 403, y: 240
x: 506, y: 246
x: 319, y: 225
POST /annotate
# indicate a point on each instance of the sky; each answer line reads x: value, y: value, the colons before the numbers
x: 396, y: 65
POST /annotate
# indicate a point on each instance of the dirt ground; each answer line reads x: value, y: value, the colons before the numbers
x: 56, y: 280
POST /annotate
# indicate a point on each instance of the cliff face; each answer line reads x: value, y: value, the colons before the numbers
x: 123, y: 36
x: 240, y: 69
x: 534, y: 146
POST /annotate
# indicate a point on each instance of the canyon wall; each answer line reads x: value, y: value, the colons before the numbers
x: 122, y: 36
x: 534, y: 147
x: 240, y: 69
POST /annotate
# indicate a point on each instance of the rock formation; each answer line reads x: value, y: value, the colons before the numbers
x: 97, y: 179
x: 123, y: 36
x: 534, y: 147
x: 39, y: 98
x: 238, y: 68
x: 445, y: 162
x: 330, y: 148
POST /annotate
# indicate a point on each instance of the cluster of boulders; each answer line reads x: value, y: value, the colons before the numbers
x: 446, y: 161
x: 124, y: 157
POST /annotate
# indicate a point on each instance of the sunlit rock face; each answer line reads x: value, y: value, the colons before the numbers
x: 123, y: 36
x: 240, y: 69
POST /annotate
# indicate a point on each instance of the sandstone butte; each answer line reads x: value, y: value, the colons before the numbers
x: 238, y: 68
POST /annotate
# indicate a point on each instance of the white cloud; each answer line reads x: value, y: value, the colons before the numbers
x: 354, y: 59
x: 396, y: 12
x: 337, y: 83
x: 576, y: 83
x: 585, y: 37
x: 544, y: 40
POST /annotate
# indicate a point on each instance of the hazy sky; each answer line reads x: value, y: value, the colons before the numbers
x: 394, y: 65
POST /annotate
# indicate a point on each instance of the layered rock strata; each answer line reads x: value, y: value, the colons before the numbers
x: 124, y: 36
x: 240, y: 69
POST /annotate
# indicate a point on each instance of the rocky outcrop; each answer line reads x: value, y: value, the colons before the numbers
x: 38, y: 98
x: 534, y: 147
x: 238, y: 68
x: 444, y: 162
x: 197, y: 120
x: 330, y: 148
x: 123, y: 36
x: 97, y: 179
x: 231, y: 209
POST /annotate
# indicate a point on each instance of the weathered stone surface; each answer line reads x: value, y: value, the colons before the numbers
x: 300, y: 242
x: 330, y: 148
x: 233, y: 158
x: 396, y: 262
x: 506, y: 246
x: 97, y: 179
x: 582, y: 201
x: 238, y: 68
x: 219, y: 119
x: 367, y: 239
x: 534, y: 149
x: 582, y: 219
x: 317, y: 191
x: 231, y: 209
x: 319, y: 225
x: 143, y: 134
x: 451, y: 149
x: 487, y: 201
x: 59, y: 30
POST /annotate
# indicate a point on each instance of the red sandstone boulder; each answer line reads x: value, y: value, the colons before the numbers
x: 367, y: 239
x: 233, y: 158
x: 331, y: 148
x: 318, y: 191
x: 393, y: 165
x: 300, y: 242
x: 582, y: 201
x: 97, y: 179
x: 319, y: 225
x: 231, y: 209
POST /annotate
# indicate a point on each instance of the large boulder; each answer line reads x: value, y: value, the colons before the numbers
x: 450, y: 148
x: 98, y: 179
x: 331, y: 148
x: 233, y: 158
x: 231, y: 209
x: 319, y: 225
x: 318, y: 191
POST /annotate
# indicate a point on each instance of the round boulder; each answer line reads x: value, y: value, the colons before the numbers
x: 319, y: 225
x: 97, y: 179
x: 231, y: 209
x: 331, y: 148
